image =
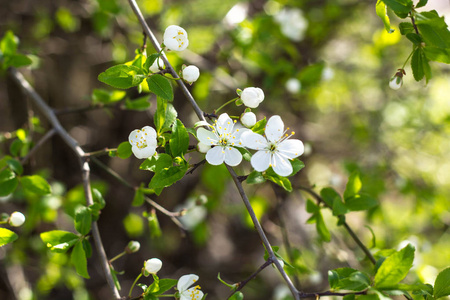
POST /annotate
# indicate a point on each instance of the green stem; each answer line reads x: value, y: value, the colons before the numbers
x: 408, y: 57
x: 117, y: 256
x: 232, y: 100
x: 134, y: 283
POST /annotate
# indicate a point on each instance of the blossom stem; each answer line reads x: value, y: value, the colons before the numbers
x: 117, y: 256
x: 226, y: 103
x: 407, y: 59
x: 134, y: 283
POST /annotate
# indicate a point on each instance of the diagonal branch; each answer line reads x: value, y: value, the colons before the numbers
x: 50, y: 115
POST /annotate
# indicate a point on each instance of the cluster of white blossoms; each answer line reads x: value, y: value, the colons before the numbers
x: 187, y: 293
x: 292, y: 23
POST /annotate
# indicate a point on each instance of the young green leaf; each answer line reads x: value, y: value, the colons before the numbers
x: 139, y: 104
x: 420, y: 65
x: 348, y: 279
x: 255, y: 177
x: 58, y: 240
x: 421, y: 3
x: 405, y: 28
x: 321, y: 227
x: 329, y: 195
x: 433, y: 29
x: 138, y: 198
x: 353, y: 186
x: 9, y: 43
x: 442, y: 284
x: 36, y: 185
x: 83, y: 220
x: 15, y: 165
x: 122, y: 76
x: 297, y: 165
x: 381, y: 11
x: 400, y: 7
x: 78, y: 259
x: 437, y: 54
x: 237, y: 296
x: 124, y: 150
x: 168, y: 176
x: 7, y: 236
x: 280, y: 180
x: 8, y: 182
x: 160, y: 86
x: 157, y: 162
x: 360, y: 202
x: 150, y: 60
x: 394, y: 268
x: 179, y: 140
x: 106, y: 97
x: 153, y: 225
x: 260, y: 126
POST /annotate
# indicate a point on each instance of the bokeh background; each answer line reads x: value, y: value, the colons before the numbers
x: 324, y: 66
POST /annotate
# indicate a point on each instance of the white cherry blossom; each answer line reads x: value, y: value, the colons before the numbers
x: 153, y: 265
x: 186, y: 293
x: 224, y: 136
x: 143, y: 142
x: 275, y: 149
x: 157, y: 65
x: 16, y: 219
x: 191, y: 74
x: 252, y: 96
x: 175, y: 38
x: 396, y: 82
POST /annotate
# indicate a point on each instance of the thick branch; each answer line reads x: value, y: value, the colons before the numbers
x: 50, y: 115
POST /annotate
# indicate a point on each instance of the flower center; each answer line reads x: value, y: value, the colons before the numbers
x: 273, y: 147
x: 223, y: 141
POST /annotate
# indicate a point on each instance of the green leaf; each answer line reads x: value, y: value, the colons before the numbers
x: 153, y: 225
x: 138, y: 198
x: 420, y: 65
x: 394, y: 268
x: 437, y: 54
x: 8, y: 182
x: 98, y: 198
x: 78, y: 258
x: 348, y: 279
x: 381, y: 11
x: 122, y: 76
x: 83, y: 220
x: 165, y: 115
x: 179, y: 140
x: 339, y: 208
x: 255, y: 177
x: 237, y: 296
x: 157, y: 162
x: 36, y: 185
x: 160, y: 86
x: 167, y: 176
x: 414, y: 38
x: 124, y: 150
x: 400, y: 7
x: 277, y: 179
x: 442, y: 284
x: 165, y: 285
x: 87, y: 248
x: 329, y: 195
x: 106, y: 97
x: 421, y: 3
x: 353, y: 186
x: 58, y: 240
x: 17, y: 60
x: 260, y: 126
x: 9, y: 43
x: 311, y: 207
x: 297, y: 165
x: 15, y: 165
x: 139, y: 104
x: 321, y: 227
x: 7, y: 236
x: 405, y: 28
x: 360, y: 202
x: 433, y: 29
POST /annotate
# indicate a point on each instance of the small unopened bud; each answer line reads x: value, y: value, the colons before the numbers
x: 157, y: 65
x: 190, y: 74
x: 293, y: 85
x: 396, y: 81
x: 248, y: 119
x: 153, y: 265
x: 16, y: 219
x: 132, y: 247
x: 202, y: 148
x: 201, y: 200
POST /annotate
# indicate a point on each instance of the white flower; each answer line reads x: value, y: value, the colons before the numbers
x: 133, y: 246
x: 143, y: 142
x: 293, y: 85
x: 292, y: 23
x: 16, y: 219
x: 396, y: 82
x: 252, y: 96
x: 153, y: 265
x: 224, y: 136
x: 175, y: 38
x: 202, y: 148
x: 157, y: 65
x: 274, y: 149
x: 186, y: 293
x: 248, y: 119
x: 191, y: 74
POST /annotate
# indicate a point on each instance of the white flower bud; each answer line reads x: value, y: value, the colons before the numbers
x: 175, y: 38
x: 153, y: 265
x: 132, y: 247
x: 157, y: 64
x: 248, y: 119
x: 293, y: 85
x: 16, y: 219
x: 191, y: 74
x: 202, y: 148
x: 396, y: 82
x: 252, y: 96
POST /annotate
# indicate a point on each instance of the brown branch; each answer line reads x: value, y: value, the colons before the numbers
x: 38, y: 145
x: 243, y: 283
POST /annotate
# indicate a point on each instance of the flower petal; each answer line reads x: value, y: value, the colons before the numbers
x: 207, y: 137
x: 253, y: 140
x: 232, y: 156
x: 281, y: 165
x: 261, y: 160
x: 224, y: 123
x: 148, y: 132
x: 134, y: 137
x: 274, y: 129
x: 291, y: 148
x: 215, y: 156
x: 144, y: 152
x: 186, y: 281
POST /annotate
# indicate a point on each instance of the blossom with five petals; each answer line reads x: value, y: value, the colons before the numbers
x: 175, y: 38
x: 143, y: 142
x: 275, y: 149
x: 186, y: 293
x: 225, y: 136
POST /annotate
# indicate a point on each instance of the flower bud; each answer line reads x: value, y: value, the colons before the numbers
x: 132, y: 247
x: 202, y: 148
x: 248, y: 119
x: 396, y: 82
x: 16, y: 219
x: 293, y: 85
x: 153, y: 265
x: 175, y: 38
x: 157, y: 65
x: 190, y: 74
x: 252, y: 97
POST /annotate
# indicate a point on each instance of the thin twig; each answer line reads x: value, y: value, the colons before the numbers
x: 196, y: 166
x: 329, y: 293
x: 38, y: 145
x: 50, y: 115
x: 244, y: 282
